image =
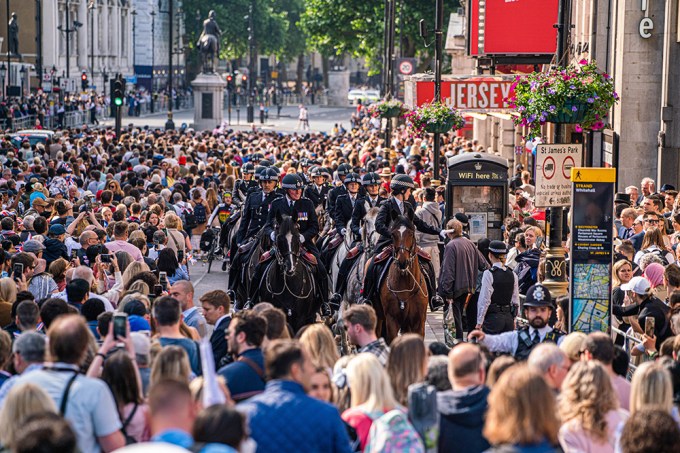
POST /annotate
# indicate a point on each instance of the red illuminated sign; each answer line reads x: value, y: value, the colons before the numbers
x: 472, y: 94
x: 512, y: 27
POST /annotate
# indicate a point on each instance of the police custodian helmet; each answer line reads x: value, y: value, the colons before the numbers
x: 352, y: 177
x: 269, y: 174
x: 538, y: 296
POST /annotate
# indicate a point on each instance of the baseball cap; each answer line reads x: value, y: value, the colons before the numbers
x: 141, y: 343
x: 33, y: 246
x: 57, y: 229
x: 639, y: 285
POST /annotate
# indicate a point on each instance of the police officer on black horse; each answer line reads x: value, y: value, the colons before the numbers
x: 537, y: 309
x: 243, y: 186
x: 301, y: 210
x: 318, y: 189
x: 395, y: 206
x: 253, y: 219
x: 372, y: 199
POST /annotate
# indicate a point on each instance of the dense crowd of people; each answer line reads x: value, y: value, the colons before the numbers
x: 106, y: 343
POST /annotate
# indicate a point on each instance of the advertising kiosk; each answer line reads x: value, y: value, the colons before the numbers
x: 477, y: 185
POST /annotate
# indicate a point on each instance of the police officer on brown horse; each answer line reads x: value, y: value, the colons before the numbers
x: 394, y: 207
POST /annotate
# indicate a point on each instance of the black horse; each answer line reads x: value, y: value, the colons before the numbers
x: 288, y: 280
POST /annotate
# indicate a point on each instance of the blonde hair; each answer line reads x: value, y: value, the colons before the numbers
x: 22, y: 401
x: 320, y: 344
x: 171, y: 363
x: 172, y: 221
x: 134, y: 268
x: 136, y: 233
x: 521, y: 409
x: 587, y: 396
x: 369, y: 384
x: 572, y: 345
x: 406, y: 364
x: 8, y: 290
x: 651, y: 388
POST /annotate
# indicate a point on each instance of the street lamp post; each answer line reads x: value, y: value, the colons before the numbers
x: 153, y: 54
x: 169, y: 124
x: 438, y: 32
x: 3, y: 72
x: 134, y: 41
x: 251, y: 64
x: 38, y: 40
x: 67, y: 30
x: 9, y: 62
x: 91, y: 7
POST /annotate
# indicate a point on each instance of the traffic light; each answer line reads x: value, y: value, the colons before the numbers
x: 245, y: 79
x: 84, y: 83
x: 118, y: 92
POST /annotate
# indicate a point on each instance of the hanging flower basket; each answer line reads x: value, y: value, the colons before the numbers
x: 442, y: 127
x: 392, y: 108
x: 580, y: 95
x: 570, y: 113
x: 434, y: 118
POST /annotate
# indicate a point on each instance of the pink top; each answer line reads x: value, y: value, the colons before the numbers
x: 138, y: 427
x: 357, y: 419
x: 574, y: 439
x: 622, y: 389
x: 122, y: 246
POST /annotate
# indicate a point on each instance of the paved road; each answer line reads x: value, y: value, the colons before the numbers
x: 321, y: 119
x: 216, y: 279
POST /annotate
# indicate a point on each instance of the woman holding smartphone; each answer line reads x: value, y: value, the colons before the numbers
x: 645, y: 305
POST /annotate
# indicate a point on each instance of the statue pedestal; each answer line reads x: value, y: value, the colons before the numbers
x: 208, y: 101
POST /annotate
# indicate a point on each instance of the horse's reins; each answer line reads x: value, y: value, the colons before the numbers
x: 412, y: 255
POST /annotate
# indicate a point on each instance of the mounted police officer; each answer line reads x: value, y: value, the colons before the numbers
x: 499, y: 294
x: 254, y: 217
x: 243, y: 186
x: 395, y: 206
x: 343, y: 170
x: 537, y: 309
x: 302, y: 174
x: 344, y: 205
x: 370, y: 182
x: 318, y: 189
x: 301, y: 209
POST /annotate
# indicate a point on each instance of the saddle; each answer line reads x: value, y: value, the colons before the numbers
x: 354, y: 251
x: 382, y: 256
x: 423, y: 254
x: 242, y: 249
x: 309, y: 258
x: 335, y: 241
x: 266, y: 256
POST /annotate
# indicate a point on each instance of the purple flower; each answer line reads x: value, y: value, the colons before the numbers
x: 552, y: 108
x: 532, y: 118
x: 573, y: 87
x: 551, y: 91
x: 521, y: 108
x: 574, y: 109
x: 591, y: 100
x: 534, y: 85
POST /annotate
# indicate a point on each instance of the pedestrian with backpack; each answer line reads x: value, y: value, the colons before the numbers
x: 200, y: 211
x: 380, y: 422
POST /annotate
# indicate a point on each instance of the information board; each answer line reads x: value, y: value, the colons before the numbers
x: 553, y: 173
x: 591, y: 248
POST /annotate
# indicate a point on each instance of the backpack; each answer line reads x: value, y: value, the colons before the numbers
x: 392, y: 432
x: 189, y: 219
x: 200, y: 213
x: 658, y: 253
x: 207, y: 239
x: 526, y: 276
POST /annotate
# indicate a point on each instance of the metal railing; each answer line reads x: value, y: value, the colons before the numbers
x: 70, y: 119
x: 628, y: 339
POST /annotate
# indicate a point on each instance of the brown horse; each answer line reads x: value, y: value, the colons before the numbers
x: 403, y: 292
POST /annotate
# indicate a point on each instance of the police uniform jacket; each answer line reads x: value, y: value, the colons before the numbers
x: 343, y: 210
x: 254, y: 213
x: 520, y: 342
x: 333, y: 195
x: 242, y: 188
x: 361, y: 208
x: 302, y: 212
x: 389, y: 211
x: 317, y: 195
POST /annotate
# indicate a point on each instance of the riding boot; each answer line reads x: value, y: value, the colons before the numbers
x: 254, y: 296
x: 234, y: 271
x: 427, y: 269
x: 343, y: 273
x: 322, y: 280
x: 369, y: 284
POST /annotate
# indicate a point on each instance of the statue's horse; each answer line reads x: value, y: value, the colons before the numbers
x: 208, y: 46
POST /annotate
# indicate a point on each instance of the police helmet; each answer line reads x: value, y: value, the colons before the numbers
x: 370, y: 179
x: 314, y: 172
x: 269, y: 174
x: 538, y: 296
x: 343, y: 169
x: 400, y: 183
x: 352, y: 177
x: 248, y: 168
x: 325, y: 171
x: 304, y: 162
x: 291, y: 181
x: 258, y: 171
x: 266, y: 163
x: 256, y: 157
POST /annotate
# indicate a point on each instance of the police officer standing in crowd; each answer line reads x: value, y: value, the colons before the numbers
x: 499, y: 294
x: 537, y: 308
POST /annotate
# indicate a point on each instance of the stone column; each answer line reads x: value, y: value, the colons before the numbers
x: 83, y: 36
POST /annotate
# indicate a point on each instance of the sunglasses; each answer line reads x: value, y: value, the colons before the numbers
x: 652, y: 221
